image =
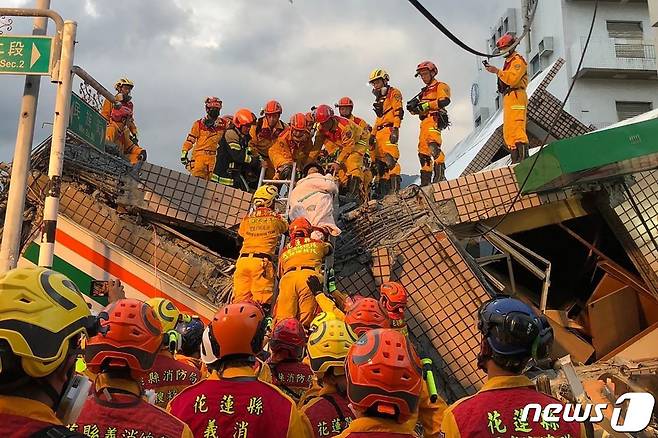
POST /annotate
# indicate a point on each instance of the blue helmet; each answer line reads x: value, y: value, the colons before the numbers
x: 191, y: 334
x: 513, y: 330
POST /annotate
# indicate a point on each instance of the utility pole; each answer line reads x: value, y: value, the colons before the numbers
x: 11, y: 233
x: 57, y: 144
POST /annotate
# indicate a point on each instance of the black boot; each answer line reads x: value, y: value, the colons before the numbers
x: 425, y: 178
x: 384, y: 187
x: 514, y: 154
x: 439, y: 172
x: 355, y: 189
x: 523, y: 151
x: 396, y: 180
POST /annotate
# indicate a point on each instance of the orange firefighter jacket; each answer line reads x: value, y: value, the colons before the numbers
x: 203, y: 138
x: 22, y: 417
x: 303, y: 252
x: 125, y: 413
x: 343, y: 140
x: 293, y: 378
x: 120, y: 115
x: 261, y: 231
x: 263, y: 136
x: 328, y: 412
x: 392, y: 114
x: 514, y: 73
x: 494, y: 410
x: 237, y: 402
x: 377, y: 428
x: 285, y: 150
x: 168, y: 377
x: 433, y: 93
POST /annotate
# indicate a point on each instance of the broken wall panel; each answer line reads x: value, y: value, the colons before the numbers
x: 184, y: 198
x: 642, y: 234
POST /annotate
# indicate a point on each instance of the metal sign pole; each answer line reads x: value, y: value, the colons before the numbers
x: 62, y: 109
x: 20, y: 167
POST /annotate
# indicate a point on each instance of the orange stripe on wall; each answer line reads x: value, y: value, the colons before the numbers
x: 120, y: 272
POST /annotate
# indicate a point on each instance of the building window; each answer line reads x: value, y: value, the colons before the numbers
x: 628, y: 39
x: 506, y: 25
x: 629, y: 30
x: 535, y: 65
x: 497, y: 102
x: 478, y: 121
x: 626, y: 110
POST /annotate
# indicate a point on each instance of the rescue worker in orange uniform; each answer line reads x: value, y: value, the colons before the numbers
x: 121, y: 129
x: 393, y: 298
x: 44, y: 319
x: 264, y: 133
x: 512, y: 84
x: 344, y: 144
x: 386, y: 132
x: 512, y: 334
x: 235, y: 165
x: 287, y: 345
x: 168, y: 376
x: 430, y: 106
x: 119, y: 359
x: 384, y: 381
x: 191, y: 333
x: 261, y: 230
x: 294, y: 145
x: 301, y: 259
x: 203, y: 139
x: 345, y: 109
x: 329, y: 412
x: 367, y: 314
x: 232, y: 401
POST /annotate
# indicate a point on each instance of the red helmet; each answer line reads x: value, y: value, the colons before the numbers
x: 344, y: 101
x: 237, y: 329
x: 366, y: 314
x: 272, y: 107
x: 289, y: 339
x: 505, y: 41
x: 132, y: 341
x: 393, y: 297
x: 300, y: 227
x: 213, y: 102
x: 243, y: 117
x: 384, y: 373
x: 298, y: 122
x: 429, y: 65
x: 323, y: 113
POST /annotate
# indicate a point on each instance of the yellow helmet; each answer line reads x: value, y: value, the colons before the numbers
x: 166, y: 311
x: 378, y: 73
x: 41, y: 312
x: 123, y: 81
x: 265, y: 195
x: 328, y: 346
x: 322, y: 317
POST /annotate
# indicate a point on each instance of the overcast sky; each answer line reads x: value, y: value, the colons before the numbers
x: 247, y: 52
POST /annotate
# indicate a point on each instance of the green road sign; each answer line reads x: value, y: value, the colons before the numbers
x: 25, y: 55
x: 86, y: 123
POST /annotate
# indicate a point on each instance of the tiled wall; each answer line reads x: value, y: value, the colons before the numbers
x: 182, y: 197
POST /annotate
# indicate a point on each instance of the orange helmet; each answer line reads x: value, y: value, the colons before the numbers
x: 237, y: 329
x: 272, y: 107
x: 298, y: 122
x: 505, y: 41
x: 243, y: 117
x: 344, y: 101
x: 323, y: 113
x: 300, y: 227
x: 384, y: 373
x: 393, y: 297
x: 288, y: 338
x: 429, y: 65
x: 213, y: 102
x: 366, y: 314
x: 133, y: 340
x: 310, y: 117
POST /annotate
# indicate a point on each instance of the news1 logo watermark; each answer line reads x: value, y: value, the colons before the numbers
x: 638, y: 412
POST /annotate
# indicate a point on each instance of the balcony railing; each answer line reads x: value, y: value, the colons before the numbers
x: 610, y: 56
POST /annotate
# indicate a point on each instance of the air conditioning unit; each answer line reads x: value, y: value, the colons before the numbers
x: 545, y: 46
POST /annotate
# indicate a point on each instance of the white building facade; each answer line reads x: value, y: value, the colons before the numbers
x: 619, y: 76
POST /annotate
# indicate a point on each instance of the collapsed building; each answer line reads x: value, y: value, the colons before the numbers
x: 572, y: 232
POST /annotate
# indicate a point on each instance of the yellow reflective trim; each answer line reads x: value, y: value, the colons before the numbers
x: 236, y: 147
x: 518, y: 107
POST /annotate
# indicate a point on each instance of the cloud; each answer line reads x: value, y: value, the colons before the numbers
x: 301, y: 54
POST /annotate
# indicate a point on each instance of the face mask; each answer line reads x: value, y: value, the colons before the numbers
x: 213, y: 113
x: 72, y: 399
